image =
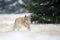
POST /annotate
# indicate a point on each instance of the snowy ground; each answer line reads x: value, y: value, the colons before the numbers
x: 38, y: 31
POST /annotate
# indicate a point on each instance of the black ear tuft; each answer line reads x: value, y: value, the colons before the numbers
x: 25, y: 16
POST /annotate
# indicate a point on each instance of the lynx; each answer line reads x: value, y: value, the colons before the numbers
x: 22, y: 21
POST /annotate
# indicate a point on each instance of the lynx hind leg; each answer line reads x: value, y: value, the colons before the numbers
x: 19, y: 26
x: 15, y: 26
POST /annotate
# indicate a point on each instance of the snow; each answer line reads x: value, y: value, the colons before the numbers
x: 38, y: 31
x: 27, y: 36
x: 20, y: 1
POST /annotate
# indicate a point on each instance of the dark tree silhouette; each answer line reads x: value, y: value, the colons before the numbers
x: 43, y: 11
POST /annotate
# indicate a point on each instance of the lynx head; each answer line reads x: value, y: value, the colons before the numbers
x: 27, y: 18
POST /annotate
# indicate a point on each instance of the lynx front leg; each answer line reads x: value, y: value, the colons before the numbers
x: 27, y: 25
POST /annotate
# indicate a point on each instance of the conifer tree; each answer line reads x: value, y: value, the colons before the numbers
x: 43, y: 11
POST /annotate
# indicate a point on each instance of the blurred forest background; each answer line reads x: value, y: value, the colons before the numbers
x: 43, y: 11
x: 10, y: 6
